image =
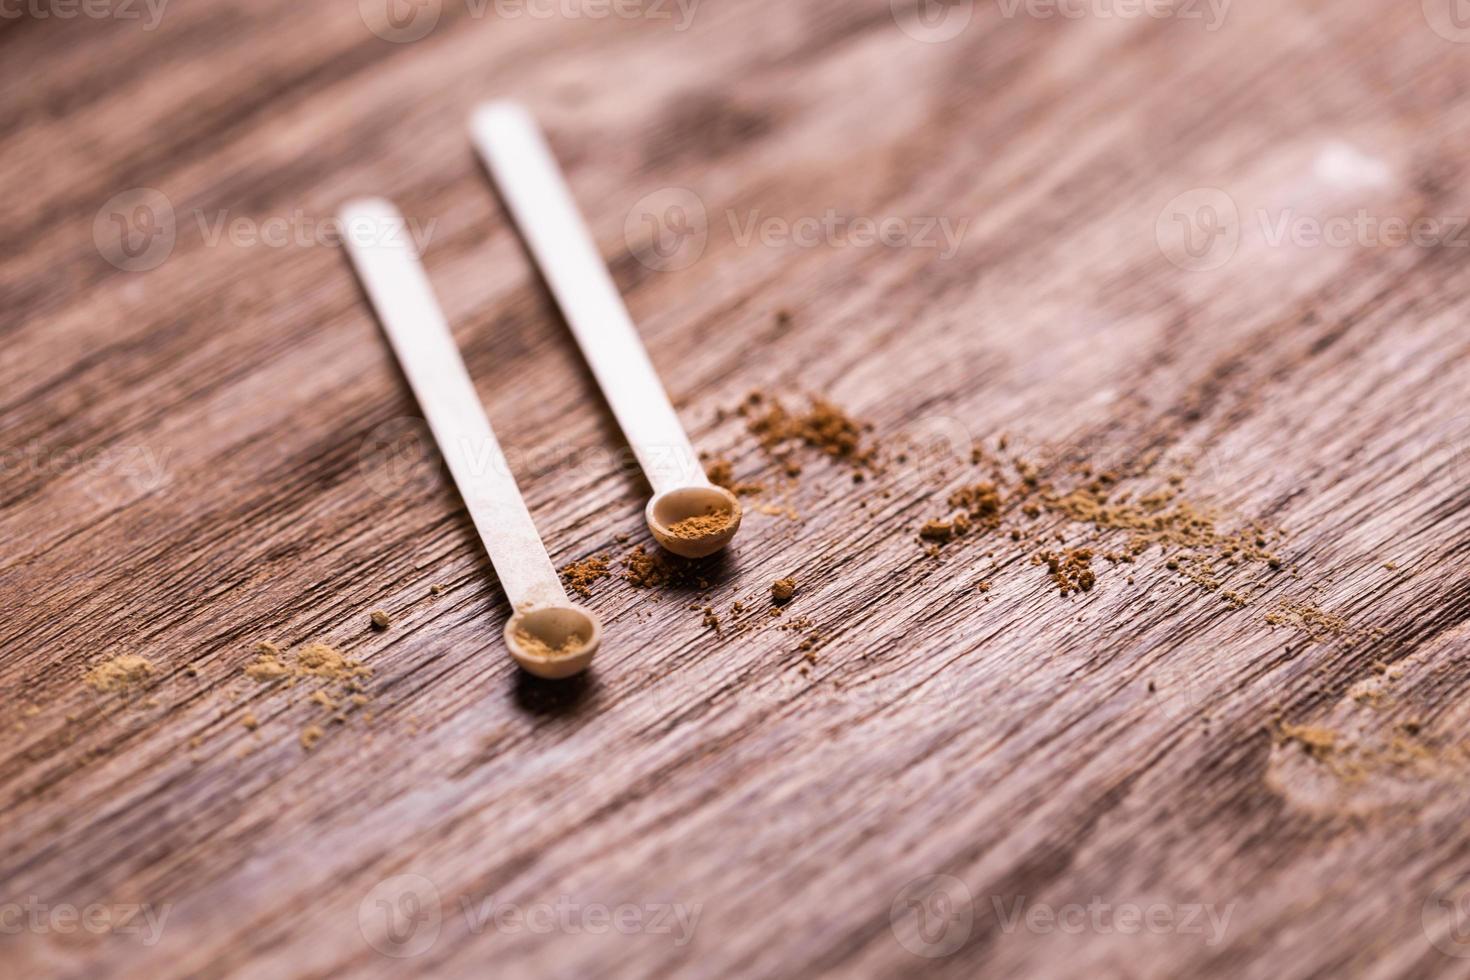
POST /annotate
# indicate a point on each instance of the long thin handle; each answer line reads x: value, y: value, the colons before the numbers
x: 388, y: 265
x: 529, y: 179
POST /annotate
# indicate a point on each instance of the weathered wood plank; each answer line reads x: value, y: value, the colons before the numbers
x: 200, y: 456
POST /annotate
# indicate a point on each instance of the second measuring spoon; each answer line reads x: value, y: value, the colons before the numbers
x: 547, y: 634
x: 688, y: 514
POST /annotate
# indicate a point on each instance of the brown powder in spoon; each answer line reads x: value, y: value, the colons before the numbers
x: 540, y: 649
x: 701, y: 526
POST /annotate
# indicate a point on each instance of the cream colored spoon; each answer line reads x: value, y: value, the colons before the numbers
x: 688, y: 515
x: 548, y: 635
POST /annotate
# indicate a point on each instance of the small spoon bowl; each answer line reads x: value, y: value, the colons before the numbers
x: 550, y: 628
x: 668, y: 508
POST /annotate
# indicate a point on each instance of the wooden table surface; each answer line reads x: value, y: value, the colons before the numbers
x: 1219, y: 254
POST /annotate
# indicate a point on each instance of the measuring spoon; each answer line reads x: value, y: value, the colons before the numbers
x: 530, y: 181
x: 547, y: 634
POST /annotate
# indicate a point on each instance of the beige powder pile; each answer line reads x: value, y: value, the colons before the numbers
x: 121, y: 675
x: 541, y: 650
x: 337, y: 682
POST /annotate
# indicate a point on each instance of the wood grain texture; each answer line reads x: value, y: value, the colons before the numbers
x: 192, y: 464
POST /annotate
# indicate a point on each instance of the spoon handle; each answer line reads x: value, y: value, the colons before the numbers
x: 530, y: 181
x: 389, y: 268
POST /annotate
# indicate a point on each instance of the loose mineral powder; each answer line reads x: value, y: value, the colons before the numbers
x: 701, y: 526
x: 540, y: 649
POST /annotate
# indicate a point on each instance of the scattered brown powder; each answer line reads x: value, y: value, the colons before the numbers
x: 1317, y: 623
x: 123, y: 674
x: 721, y: 473
x: 315, y: 663
x: 1071, y: 569
x: 1161, y: 518
x: 1315, y: 741
x: 980, y: 501
x: 310, y: 735
x: 1400, y: 754
x: 579, y: 575
x: 823, y: 426
x: 267, y: 667
x: 645, y: 570
x: 321, y: 660
x: 940, y: 531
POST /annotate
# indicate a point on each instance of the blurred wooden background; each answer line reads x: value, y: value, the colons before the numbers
x: 207, y: 445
